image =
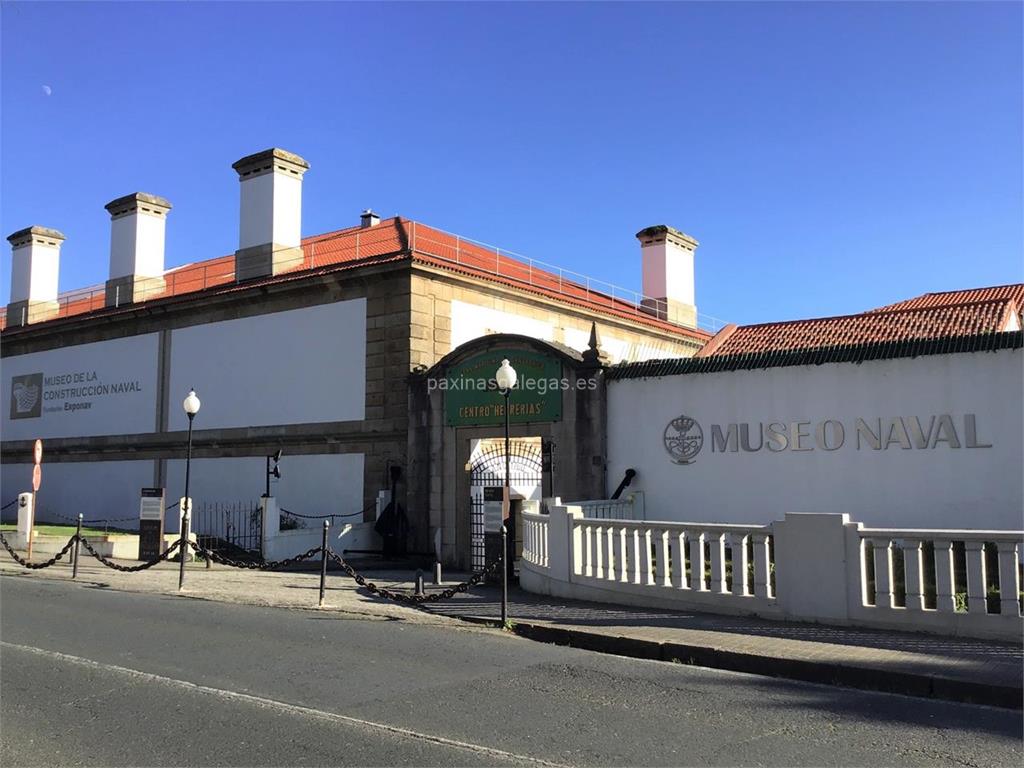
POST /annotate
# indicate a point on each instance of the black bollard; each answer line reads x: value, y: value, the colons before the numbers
x: 182, y: 548
x: 419, y: 584
x: 437, y: 572
x: 78, y: 540
x: 323, y: 563
x: 504, y: 576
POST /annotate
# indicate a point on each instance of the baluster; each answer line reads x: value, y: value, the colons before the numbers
x: 913, y: 568
x: 718, y: 564
x: 610, y: 563
x: 975, y: 576
x: 739, y: 564
x: 697, y: 562
x: 588, y: 552
x: 1009, y: 579
x: 762, y: 578
x: 664, y: 567
x: 635, y: 570
x: 678, y: 544
x: 544, y: 548
x: 575, y: 548
x: 599, y: 552
x: 621, y: 556
x: 645, y: 565
x: 945, y: 592
x: 883, y: 572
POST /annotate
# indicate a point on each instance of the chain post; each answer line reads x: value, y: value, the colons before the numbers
x: 323, y: 563
x: 78, y: 541
x: 420, y: 592
x: 437, y: 572
x: 504, y: 576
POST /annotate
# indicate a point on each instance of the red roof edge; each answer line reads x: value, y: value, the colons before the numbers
x: 717, y: 340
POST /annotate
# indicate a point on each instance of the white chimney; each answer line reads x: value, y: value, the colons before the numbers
x: 137, y: 226
x: 667, y: 263
x: 368, y: 219
x: 270, y: 231
x: 35, y: 265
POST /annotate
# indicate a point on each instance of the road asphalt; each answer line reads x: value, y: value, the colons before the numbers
x: 92, y: 676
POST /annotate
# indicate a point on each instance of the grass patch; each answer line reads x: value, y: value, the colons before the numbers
x: 65, y: 530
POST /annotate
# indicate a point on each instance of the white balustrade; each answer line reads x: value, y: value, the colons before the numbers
x: 630, y: 507
x: 829, y: 570
x: 945, y: 577
x: 655, y: 557
x: 535, y: 539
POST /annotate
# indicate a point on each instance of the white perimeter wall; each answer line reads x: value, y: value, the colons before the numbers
x: 316, y: 484
x: 104, y: 388
x: 977, y: 488
x: 102, y: 489
x: 294, y: 367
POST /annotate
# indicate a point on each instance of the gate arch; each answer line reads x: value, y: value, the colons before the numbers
x: 487, y: 470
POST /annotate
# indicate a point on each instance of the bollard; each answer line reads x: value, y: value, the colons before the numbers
x: 437, y: 573
x: 78, y: 540
x: 504, y: 576
x: 323, y: 563
x: 182, y: 549
x: 419, y: 583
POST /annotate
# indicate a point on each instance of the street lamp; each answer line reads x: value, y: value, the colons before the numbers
x: 191, y: 405
x: 506, y: 380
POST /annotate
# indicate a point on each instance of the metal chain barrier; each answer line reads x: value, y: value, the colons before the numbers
x: 361, y: 512
x: 252, y: 566
x: 101, y: 520
x: 46, y: 564
x: 128, y: 568
x: 9, y: 504
x: 387, y: 594
x: 402, y: 597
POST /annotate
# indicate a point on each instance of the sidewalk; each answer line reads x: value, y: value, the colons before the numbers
x: 914, y: 664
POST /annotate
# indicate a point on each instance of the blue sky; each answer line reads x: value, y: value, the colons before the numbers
x: 829, y: 157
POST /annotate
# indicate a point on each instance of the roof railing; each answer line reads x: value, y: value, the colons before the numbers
x: 365, y: 243
x: 480, y: 256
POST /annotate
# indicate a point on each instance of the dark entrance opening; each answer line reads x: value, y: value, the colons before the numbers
x: 487, y: 470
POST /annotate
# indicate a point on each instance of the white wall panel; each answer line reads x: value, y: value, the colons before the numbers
x: 895, y: 485
x: 470, y: 321
x: 299, y: 366
x: 104, y: 388
x: 99, y: 489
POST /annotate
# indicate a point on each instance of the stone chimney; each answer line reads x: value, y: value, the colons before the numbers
x: 667, y: 264
x: 137, y: 226
x: 35, y: 265
x: 369, y: 219
x: 270, y: 229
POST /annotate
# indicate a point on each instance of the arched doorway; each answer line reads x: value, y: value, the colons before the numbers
x: 487, y: 470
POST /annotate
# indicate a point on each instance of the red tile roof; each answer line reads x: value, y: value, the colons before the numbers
x: 1013, y: 291
x: 885, y: 325
x: 391, y: 240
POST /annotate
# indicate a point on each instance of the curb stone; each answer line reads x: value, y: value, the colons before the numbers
x: 803, y: 670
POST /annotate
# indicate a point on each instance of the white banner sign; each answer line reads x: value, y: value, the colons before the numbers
x: 104, y: 388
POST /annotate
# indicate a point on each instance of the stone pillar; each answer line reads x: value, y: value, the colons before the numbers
x: 811, y: 569
x: 271, y: 522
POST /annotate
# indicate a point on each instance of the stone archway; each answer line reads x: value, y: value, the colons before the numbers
x: 564, y: 409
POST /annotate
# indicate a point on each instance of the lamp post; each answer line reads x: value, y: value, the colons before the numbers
x: 191, y: 405
x: 506, y: 380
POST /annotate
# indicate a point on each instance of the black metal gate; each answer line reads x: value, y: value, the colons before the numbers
x: 232, y: 528
x: 488, y: 471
